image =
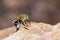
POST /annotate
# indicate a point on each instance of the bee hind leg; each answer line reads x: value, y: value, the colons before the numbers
x: 26, y: 28
x: 24, y: 23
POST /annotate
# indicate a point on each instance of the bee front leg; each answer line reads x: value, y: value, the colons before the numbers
x: 23, y: 23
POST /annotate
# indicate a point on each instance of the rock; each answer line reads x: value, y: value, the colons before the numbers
x: 37, y: 31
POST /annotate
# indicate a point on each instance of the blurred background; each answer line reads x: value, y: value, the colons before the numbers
x: 47, y: 11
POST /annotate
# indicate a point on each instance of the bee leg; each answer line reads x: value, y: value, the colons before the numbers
x: 28, y: 22
x: 24, y: 25
x: 26, y: 28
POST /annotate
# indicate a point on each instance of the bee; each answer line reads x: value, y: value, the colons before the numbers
x: 21, y: 19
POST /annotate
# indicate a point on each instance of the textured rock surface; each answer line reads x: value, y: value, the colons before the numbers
x: 6, y: 32
x: 37, y: 31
